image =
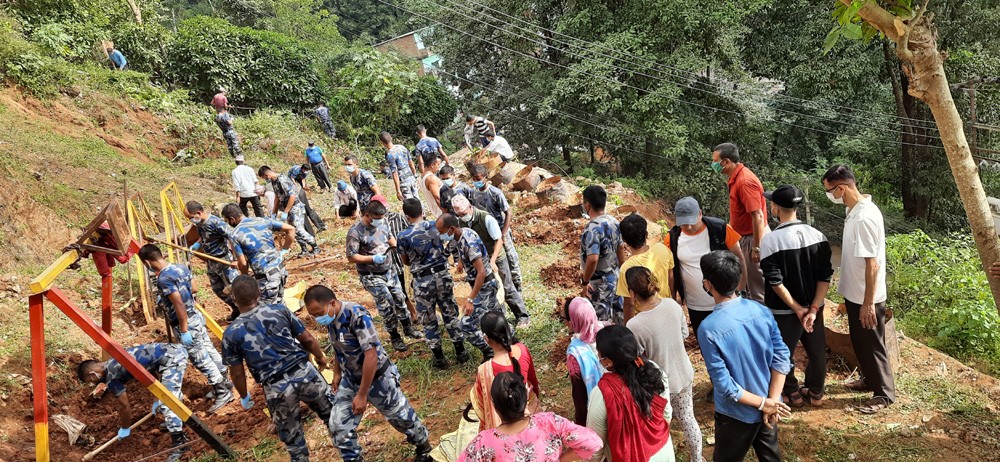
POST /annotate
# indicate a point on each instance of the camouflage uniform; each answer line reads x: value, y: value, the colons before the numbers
x: 398, y: 159
x: 201, y: 353
x: 379, y: 280
x: 165, y: 359
x: 602, y: 237
x: 265, y: 338
x: 285, y: 189
x: 432, y: 283
x: 495, y: 203
x: 469, y: 248
x: 363, y: 180
x: 323, y: 113
x: 225, y: 122
x: 215, y: 235
x: 351, y: 334
x: 254, y: 237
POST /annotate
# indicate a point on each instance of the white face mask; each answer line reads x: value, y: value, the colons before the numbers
x: 835, y: 200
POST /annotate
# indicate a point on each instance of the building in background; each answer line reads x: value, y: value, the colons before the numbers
x: 411, y: 45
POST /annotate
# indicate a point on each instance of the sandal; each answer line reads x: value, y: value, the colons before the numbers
x: 794, y: 400
x: 873, y: 405
x: 812, y: 399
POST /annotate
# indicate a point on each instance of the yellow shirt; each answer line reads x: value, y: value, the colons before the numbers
x: 658, y: 259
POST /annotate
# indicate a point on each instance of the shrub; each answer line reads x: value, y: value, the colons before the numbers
x: 28, y: 65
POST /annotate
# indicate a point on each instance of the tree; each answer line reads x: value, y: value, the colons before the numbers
x: 915, y: 36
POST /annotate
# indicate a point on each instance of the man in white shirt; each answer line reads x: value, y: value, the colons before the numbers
x: 245, y: 185
x: 862, y: 283
x: 345, y: 200
x: 499, y: 145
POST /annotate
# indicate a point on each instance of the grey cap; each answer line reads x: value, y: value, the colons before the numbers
x: 239, y: 159
x: 686, y: 211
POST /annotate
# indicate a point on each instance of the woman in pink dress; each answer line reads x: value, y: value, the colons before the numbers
x: 542, y: 437
x: 509, y: 355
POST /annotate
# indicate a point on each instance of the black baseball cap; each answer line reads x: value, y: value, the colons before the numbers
x: 786, y: 196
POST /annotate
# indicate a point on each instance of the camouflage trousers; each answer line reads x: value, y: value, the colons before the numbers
x: 484, y: 302
x: 283, y: 397
x: 409, y: 187
x: 386, y: 396
x: 438, y: 290
x: 272, y: 286
x: 388, y: 295
x: 512, y: 259
x: 604, y: 296
x: 232, y: 142
x: 328, y: 128
x: 297, y: 217
x: 221, y: 276
x: 172, y: 376
x: 202, y: 354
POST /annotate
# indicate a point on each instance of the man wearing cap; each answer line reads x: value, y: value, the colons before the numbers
x: 245, y: 184
x: 323, y: 115
x: 693, y: 236
x: 345, y: 200
x: 795, y: 260
x: 320, y: 166
x: 219, y: 101
x: 747, y: 211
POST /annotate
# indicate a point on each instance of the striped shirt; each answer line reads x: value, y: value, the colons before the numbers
x: 482, y: 126
x: 397, y: 223
x: 796, y: 256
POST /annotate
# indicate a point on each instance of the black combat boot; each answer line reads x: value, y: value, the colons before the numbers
x: 398, y: 343
x: 439, y: 361
x: 223, y: 395
x: 409, y: 331
x: 461, y: 356
x: 179, y: 439
x: 423, y: 452
x: 487, y: 354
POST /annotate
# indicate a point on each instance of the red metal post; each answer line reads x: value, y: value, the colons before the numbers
x: 39, y: 389
x: 106, y: 303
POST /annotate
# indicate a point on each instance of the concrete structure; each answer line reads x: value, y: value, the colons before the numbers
x: 411, y: 45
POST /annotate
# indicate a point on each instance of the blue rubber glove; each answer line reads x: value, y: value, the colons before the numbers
x: 156, y: 406
x: 124, y: 433
x: 247, y: 402
x: 378, y: 259
x: 282, y: 216
x: 186, y: 338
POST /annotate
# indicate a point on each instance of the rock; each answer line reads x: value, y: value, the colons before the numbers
x: 926, y: 418
x: 15, y: 288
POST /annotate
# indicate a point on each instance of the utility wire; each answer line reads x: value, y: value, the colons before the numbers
x: 625, y: 84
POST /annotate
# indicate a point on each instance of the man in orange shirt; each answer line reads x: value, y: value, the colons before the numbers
x: 747, y: 211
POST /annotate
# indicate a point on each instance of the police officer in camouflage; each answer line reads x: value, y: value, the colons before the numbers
x: 601, y: 254
x: 275, y: 346
x: 421, y: 249
x: 368, y: 243
x: 213, y: 239
x: 365, y: 374
x: 363, y: 181
x: 290, y: 208
x: 323, y: 115
x: 471, y: 254
x: 164, y: 359
x: 490, y: 198
x: 177, y: 301
x: 225, y: 122
x: 401, y: 167
x: 254, y: 239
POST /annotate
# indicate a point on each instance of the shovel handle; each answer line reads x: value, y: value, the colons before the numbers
x: 90, y: 455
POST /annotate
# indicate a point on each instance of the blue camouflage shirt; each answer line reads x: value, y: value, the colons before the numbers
x: 151, y: 356
x: 363, y: 239
x: 296, y: 173
x: 323, y: 113
x: 492, y: 201
x: 428, y: 145
x: 254, y: 237
x: 601, y: 237
x: 177, y: 278
x: 352, y: 333
x: 214, y: 235
x: 284, y: 188
x: 399, y: 161
x: 421, y: 243
x: 363, y: 182
x: 469, y: 247
x: 265, y: 338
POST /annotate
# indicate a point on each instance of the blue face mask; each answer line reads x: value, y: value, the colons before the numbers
x: 479, y: 184
x: 449, y: 182
x: 447, y: 237
x: 377, y: 223
x: 324, y: 320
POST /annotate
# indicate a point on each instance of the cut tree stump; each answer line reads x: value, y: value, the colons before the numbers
x: 556, y: 191
x: 506, y: 173
x: 838, y: 336
x: 527, y: 179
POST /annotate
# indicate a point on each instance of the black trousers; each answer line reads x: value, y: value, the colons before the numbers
x: 814, y: 343
x: 255, y: 201
x: 322, y: 176
x: 733, y: 439
x: 869, y: 347
x: 311, y: 214
x: 511, y: 295
x: 348, y: 210
x: 696, y: 318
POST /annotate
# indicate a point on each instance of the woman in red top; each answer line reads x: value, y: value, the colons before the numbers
x: 509, y: 355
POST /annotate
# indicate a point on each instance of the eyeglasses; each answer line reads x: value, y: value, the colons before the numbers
x: 835, y: 187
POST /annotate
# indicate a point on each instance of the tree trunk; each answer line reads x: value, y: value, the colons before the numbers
x: 135, y: 10
x: 923, y: 64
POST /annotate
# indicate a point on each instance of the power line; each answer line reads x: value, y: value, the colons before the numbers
x: 658, y: 65
x: 538, y: 41
x: 625, y: 84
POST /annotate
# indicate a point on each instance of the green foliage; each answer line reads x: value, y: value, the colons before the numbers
x: 28, y: 65
x: 259, y: 68
x: 939, y: 290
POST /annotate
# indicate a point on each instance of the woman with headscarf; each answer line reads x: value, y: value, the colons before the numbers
x: 581, y: 355
x: 509, y: 355
x: 541, y: 437
x: 630, y: 402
